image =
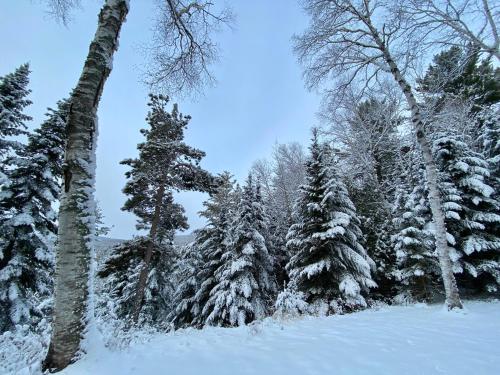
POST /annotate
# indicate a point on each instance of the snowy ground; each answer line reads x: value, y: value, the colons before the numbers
x: 391, y: 340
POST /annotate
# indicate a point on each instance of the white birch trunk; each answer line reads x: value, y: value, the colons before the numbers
x: 76, y: 213
x: 450, y: 285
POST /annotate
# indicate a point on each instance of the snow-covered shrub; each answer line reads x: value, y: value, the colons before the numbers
x: 290, y: 304
x: 23, y: 349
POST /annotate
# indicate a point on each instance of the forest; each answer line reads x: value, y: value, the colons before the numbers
x: 394, y: 201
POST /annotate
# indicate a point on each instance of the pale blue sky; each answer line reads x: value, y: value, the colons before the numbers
x: 259, y: 99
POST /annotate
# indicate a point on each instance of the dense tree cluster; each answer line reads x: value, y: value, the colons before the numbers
x: 30, y: 186
x: 397, y: 199
x: 327, y: 231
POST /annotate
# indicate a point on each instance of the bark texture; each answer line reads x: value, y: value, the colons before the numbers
x: 143, y: 276
x: 76, y: 213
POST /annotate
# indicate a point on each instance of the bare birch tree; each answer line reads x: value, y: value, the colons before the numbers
x: 454, y: 22
x: 357, y: 42
x: 181, y: 58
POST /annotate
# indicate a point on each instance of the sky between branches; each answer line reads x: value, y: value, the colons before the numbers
x: 259, y: 99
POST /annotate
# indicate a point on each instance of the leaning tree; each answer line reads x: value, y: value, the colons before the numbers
x: 355, y: 43
x: 180, y: 57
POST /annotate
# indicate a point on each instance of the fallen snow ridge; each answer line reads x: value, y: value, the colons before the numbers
x: 390, y: 340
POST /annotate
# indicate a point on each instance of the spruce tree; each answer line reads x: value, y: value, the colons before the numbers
x: 417, y: 270
x: 459, y: 72
x: 329, y: 264
x: 13, y: 101
x: 100, y: 228
x: 186, y: 308
x: 369, y: 155
x: 477, y: 232
x: 490, y: 143
x: 414, y: 237
x: 28, y: 223
x: 209, y: 245
x: 245, y: 282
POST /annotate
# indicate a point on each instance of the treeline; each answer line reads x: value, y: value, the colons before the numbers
x: 342, y: 227
x: 333, y: 230
x: 30, y: 182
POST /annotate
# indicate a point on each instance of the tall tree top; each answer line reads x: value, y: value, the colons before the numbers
x: 13, y: 100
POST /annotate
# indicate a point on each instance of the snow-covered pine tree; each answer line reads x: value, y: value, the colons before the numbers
x: 122, y: 269
x: 165, y: 163
x: 459, y: 73
x: 290, y: 304
x: 417, y: 269
x: 210, y: 244
x: 120, y: 274
x: 28, y: 224
x: 489, y: 142
x: 329, y: 264
x: 13, y: 100
x: 477, y: 232
x: 185, y: 306
x: 245, y: 282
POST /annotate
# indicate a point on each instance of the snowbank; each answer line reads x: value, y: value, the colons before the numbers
x: 393, y: 340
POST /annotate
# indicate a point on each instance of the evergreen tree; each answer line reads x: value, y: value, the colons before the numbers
x: 100, y: 228
x: 13, y: 100
x: 459, y: 73
x: 328, y: 265
x: 459, y: 78
x: 280, y: 181
x: 210, y: 243
x: 417, y: 264
x: 120, y: 274
x: 122, y: 269
x: 186, y: 308
x: 490, y: 144
x: 417, y: 268
x: 165, y: 163
x: 28, y: 221
x: 245, y: 282
x: 477, y: 232
x: 369, y: 157
x: 290, y: 304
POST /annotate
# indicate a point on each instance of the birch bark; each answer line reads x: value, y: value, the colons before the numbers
x: 450, y: 285
x: 76, y: 212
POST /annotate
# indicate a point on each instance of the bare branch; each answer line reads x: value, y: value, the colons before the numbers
x: 61, y: 9
x: 455, y: 22
x: 183, y: 48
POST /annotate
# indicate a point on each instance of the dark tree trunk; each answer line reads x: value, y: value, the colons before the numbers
x: 143, y: 276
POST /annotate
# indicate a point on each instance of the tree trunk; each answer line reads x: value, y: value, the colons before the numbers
x: 76, y: 212
x: 143, y: 276
x: 450, y: 285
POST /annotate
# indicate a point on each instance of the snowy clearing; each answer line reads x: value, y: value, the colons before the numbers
x: 391, y: 340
